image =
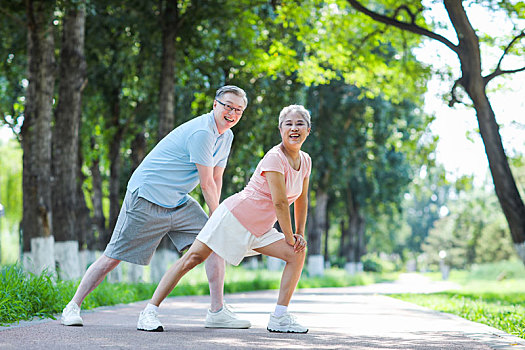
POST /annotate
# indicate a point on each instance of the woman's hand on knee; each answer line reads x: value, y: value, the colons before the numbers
x: 300, y: 243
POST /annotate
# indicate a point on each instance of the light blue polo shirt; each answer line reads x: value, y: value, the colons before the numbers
x: 168, y: 173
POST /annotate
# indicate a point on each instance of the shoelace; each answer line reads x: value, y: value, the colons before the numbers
x: 228, y: 310
x: 292, y: 318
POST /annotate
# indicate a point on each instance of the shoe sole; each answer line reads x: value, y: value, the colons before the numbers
x: 227, y: 327
x: 76, y: 323
x: 158, y: 329
x: 286, y: 331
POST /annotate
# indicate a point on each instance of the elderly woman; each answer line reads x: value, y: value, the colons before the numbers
x: 243, y: 224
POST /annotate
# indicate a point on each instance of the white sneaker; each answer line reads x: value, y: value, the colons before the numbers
x: 285, y: 324
x: 149, y: 321
x: 71, y: 315
x: 225, y: 318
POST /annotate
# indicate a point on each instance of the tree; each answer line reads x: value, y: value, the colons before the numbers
x: 72, y: 71
x: 365, y: 153
x: 36, y: 223
x: 408, y: 17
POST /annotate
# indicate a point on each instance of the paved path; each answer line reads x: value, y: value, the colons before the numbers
x: 338, y: 318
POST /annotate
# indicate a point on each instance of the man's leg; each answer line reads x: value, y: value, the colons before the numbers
x: 215, y: 270
x: 92, y: 278
x: 95, y: 274
x: 188, y: 221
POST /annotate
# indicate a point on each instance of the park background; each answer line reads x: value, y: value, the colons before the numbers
x: 400, y: 180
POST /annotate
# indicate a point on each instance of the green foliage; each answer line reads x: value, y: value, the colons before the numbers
x: 505, y: 311
x: 325, y: 40
x: 10, y: 198
x: 497, y: 271
x: 373, y: 263
x: 475, y: 231
x: 12, y: 64
x: 427, y: 194
x: 491, y: 293
x: 24, y: 295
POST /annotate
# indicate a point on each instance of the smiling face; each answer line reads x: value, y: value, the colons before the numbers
x: 294, y: 130
x: 226, y: 111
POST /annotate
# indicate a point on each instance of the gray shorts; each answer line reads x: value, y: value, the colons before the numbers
x: 141, y: 225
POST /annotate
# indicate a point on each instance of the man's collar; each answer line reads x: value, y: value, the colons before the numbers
x: 214, y: 124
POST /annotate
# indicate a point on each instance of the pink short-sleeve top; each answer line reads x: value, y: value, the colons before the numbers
x: 253, y: 206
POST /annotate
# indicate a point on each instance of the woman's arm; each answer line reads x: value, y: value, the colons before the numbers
x: 300, y: 212
x: 280, y: 203
x: 301, y: 209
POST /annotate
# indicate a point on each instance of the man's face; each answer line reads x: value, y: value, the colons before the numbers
x: 227, y: 111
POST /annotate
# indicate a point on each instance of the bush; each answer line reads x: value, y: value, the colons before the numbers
x: 497, y: 271
x: 373, y: 263
x: 25, y: 295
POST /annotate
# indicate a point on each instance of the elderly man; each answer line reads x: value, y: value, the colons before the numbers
x: 157, y: 203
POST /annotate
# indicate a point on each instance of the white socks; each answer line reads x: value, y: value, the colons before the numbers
x: 280, y: 310
x: 151, y: 307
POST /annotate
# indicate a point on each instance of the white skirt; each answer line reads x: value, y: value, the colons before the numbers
x: 229, y: 239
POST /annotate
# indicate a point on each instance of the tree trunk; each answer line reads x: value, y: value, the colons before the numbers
x: 65, y: 142
x: 326, y: 246
x: 115, y: 161
x: 83, y: 226
x: 138, y: 150
x: 166, y: 104
x: 356, y: 230
x: 474, y: 84
x: 99, y: 219
x: 167, y: 74
x: 36, y: 222
x: 343, y: 239
x: 317, y: 225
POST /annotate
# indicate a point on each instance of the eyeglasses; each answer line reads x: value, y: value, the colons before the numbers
x: 229, y: 108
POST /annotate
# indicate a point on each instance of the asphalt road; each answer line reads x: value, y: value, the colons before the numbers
x: 338, y: 318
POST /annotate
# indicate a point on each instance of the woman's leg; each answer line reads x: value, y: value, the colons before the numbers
x: 197, y: 253
x: 292, y: 270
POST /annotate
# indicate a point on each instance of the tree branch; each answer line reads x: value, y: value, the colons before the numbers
x: 509, y: 46
x: 407, y: 10
x: 453, y: 96
x: 498, y: 71
x: 411, y: 27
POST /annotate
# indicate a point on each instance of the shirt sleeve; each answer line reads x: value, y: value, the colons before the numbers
x: 308, y: 165
x: 226, y: 152
x: 200, y: 148
x: 272, y: 162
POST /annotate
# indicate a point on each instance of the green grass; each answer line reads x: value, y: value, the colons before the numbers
x: 492, y: 294
x: 24, y: 296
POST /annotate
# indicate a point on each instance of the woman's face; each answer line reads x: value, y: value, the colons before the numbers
x: 294, y: 130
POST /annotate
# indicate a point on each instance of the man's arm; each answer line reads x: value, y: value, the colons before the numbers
x: 217, y: 178
x: 209, y: 186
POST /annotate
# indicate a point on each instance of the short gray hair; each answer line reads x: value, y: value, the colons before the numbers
x: 234, y: 90
x: 303, y: 112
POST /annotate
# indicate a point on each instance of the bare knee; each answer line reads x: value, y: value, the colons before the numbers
x: 295, y: 258
x: 106, y: 263
x: 192, y: 259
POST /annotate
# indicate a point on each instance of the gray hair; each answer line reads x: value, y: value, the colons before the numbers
x: 234, y: 90
x: 303, y: 112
